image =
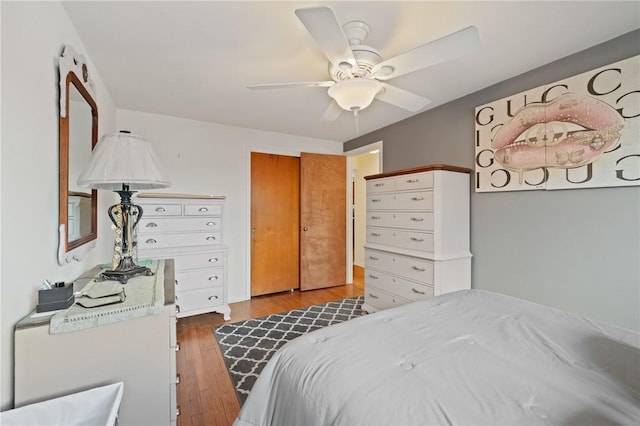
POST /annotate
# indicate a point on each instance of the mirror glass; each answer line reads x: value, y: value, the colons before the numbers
x: 80, y: 145
x: 78, y: 136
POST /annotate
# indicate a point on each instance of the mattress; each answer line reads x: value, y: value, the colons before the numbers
x: 471, y: 357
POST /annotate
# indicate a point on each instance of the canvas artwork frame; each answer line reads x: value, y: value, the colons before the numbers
x: 579, y: 132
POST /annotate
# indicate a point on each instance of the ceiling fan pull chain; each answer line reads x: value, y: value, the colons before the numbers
x: 355, y: 117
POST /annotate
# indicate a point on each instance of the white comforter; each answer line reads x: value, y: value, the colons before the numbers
x: 469, y: 357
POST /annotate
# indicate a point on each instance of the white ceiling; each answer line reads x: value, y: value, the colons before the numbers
x: 194, y: 59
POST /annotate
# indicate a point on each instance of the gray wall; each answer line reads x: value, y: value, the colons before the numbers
x: 578, y: 249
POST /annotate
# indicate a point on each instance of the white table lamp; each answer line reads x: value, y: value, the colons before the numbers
x: 124, y: 162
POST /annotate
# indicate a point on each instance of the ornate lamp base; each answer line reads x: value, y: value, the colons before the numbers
x: 126, y: 269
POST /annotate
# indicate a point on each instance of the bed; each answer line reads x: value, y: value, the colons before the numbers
x: 471, y: 357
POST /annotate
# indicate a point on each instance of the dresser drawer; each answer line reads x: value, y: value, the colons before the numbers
x: 199, y: 279
x: 412, y: 240
x: 377, y: 279
x: 162, y: 224
x: 198, y: 299
x: 199, y: 260
x: 421, y: 221
x: 414, y: 181
x: 380, y: 202
x: 410, y: 290
x: 379, y: 260
x: 380, y: 185
x: 409, y: 267
x: 381, y: 300
x: 202, y: 210
x: 414, y: 269
x: 422, y: 200
x: 153, y: 241
x: 398, y: 286
x: 149, y: 210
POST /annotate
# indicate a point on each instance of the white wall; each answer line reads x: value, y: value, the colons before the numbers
x: 214, y: 159
x: 33, y: 35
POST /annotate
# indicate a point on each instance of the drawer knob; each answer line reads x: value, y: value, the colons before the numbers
x: 213, y: 278
x: 213, y: 259
x: 417, y: 219
x: 375, y: 234
x: 417, y: 240
x: 160, y: 209
x: 214, y: 297
x: 373, y: 296
x: 376, y: 200
x: 374, y: 277
x: 417, y: 198
x: 375, y: 217
x: 373, y: 258
x: 416, y: 268
x: 211, y: 238
x: 177, y: 378
x: 203, y: 209
x: 413, y: 180
x: 211, y: 224
x: 152, y: 225
x: 177, y: 307
x: 417, y: 291
x: 176, y: 282
x: 379, y: 184
x: 151, y: 241
x: 177, y: 345
x: 177, y: 410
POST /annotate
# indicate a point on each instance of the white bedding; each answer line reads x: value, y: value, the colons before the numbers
x: 470, y: 357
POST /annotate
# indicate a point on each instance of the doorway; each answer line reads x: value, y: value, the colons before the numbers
x: 363, y: 161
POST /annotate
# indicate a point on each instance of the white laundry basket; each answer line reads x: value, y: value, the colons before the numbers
x: 97, y: 406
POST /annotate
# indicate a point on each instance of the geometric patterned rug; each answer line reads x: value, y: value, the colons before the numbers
x: 247, y: 345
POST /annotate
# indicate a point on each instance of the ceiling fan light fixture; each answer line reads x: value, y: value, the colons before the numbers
x: 355, y: 94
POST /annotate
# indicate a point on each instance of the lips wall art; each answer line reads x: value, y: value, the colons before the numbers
x: 580, y: 132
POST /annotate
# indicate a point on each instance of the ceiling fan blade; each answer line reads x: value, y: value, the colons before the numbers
x: 287, y: 85
x: 401, y: 98
x: 332, y: 112
x: 325, y: 29
x: 443, y: 49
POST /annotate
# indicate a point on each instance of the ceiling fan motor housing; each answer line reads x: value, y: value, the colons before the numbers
x: 366, y: 57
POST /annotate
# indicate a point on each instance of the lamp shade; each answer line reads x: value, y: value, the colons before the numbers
x: 123, y: 158
x: 355, y: 94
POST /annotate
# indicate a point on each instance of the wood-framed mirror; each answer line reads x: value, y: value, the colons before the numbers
x: 78, y: 225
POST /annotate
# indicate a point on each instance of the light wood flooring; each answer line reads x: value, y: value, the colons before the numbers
x: 205, y: 393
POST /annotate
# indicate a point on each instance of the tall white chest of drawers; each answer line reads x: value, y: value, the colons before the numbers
x: 417, y: 243
x: 189, y: 229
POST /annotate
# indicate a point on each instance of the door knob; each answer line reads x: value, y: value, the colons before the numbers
x: 305, y: 229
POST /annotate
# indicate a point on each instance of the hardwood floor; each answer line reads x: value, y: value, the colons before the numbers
x: 205, y: 393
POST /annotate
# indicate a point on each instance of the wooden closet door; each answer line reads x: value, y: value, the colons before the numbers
x: 275, y: 223
x: 323, y: 215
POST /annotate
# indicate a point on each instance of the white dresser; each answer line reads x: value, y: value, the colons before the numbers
x: 189, y: 229
x: 140, y: 352
x: 417, y: 243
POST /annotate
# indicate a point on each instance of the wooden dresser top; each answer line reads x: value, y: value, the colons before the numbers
x: 428, y: 168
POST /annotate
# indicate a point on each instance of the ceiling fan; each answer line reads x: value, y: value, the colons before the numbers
x: 359, y: 73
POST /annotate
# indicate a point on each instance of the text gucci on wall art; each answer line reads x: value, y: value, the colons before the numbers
x: 576, y: 133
